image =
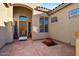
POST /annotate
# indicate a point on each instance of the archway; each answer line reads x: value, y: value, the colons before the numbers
x: 22, y: 15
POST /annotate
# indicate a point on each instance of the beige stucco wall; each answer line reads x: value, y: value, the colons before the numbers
x: 35, y: 25
x: 77, y: 46
x: 64, y: 29
x: 21, y: 11
x: 32, y: 5
x: 27, y: 5
x: 6, y: 33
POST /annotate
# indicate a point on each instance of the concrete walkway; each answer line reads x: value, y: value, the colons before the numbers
x: 36, y: 48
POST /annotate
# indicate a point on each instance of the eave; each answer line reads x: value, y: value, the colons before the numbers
x: 7, y: 5
x: 42, y: 9
x: 61, y: 6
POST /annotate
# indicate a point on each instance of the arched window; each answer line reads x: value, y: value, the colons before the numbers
x: 23, y: 18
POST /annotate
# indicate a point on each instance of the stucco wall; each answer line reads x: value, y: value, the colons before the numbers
x: 64, y: 29
x: 6, y: 34
x: 35, y: 25
x: 77, y: 47
x: 27, y: 5
x: 21, y: 11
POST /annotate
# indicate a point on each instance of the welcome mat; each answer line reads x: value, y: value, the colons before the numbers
x: 49, y: 42
x: 22, y: 38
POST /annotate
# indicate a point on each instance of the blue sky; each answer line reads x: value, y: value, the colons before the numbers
x: 50, y: 5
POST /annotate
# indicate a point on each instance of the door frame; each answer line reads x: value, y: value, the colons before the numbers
x: 19, y: 26
x: 15, y: 24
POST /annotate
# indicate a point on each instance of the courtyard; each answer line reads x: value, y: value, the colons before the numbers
x: 36, y: 48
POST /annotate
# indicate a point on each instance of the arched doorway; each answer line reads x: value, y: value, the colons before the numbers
x: 22, y: 15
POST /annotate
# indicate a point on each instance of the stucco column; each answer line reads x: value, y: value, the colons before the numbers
x: 77, y: 43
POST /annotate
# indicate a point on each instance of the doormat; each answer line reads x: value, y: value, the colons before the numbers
x: 22, y: 38
x: 49, y: 42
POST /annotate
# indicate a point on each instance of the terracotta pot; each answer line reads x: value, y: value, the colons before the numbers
x: 76, y: 34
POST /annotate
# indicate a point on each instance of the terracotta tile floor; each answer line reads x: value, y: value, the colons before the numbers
x: 36, y: 48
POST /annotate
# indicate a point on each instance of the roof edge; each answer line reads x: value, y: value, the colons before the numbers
x: 61, y: 6
x: 42, y: 9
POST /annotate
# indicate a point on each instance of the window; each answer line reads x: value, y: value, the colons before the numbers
x: 23, y: 18
x: 54, y: 19
x: 44, y: 24
x: 73, y: 13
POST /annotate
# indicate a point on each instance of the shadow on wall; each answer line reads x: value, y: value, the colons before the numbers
x: 6, y: 33
x: 2, y: 35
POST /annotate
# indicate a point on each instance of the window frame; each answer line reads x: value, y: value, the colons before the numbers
x: 73, y: 13
x: 54, y: 19
x: 43, y: 26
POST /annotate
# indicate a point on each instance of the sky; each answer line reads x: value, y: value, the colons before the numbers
x: 49, y: 5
